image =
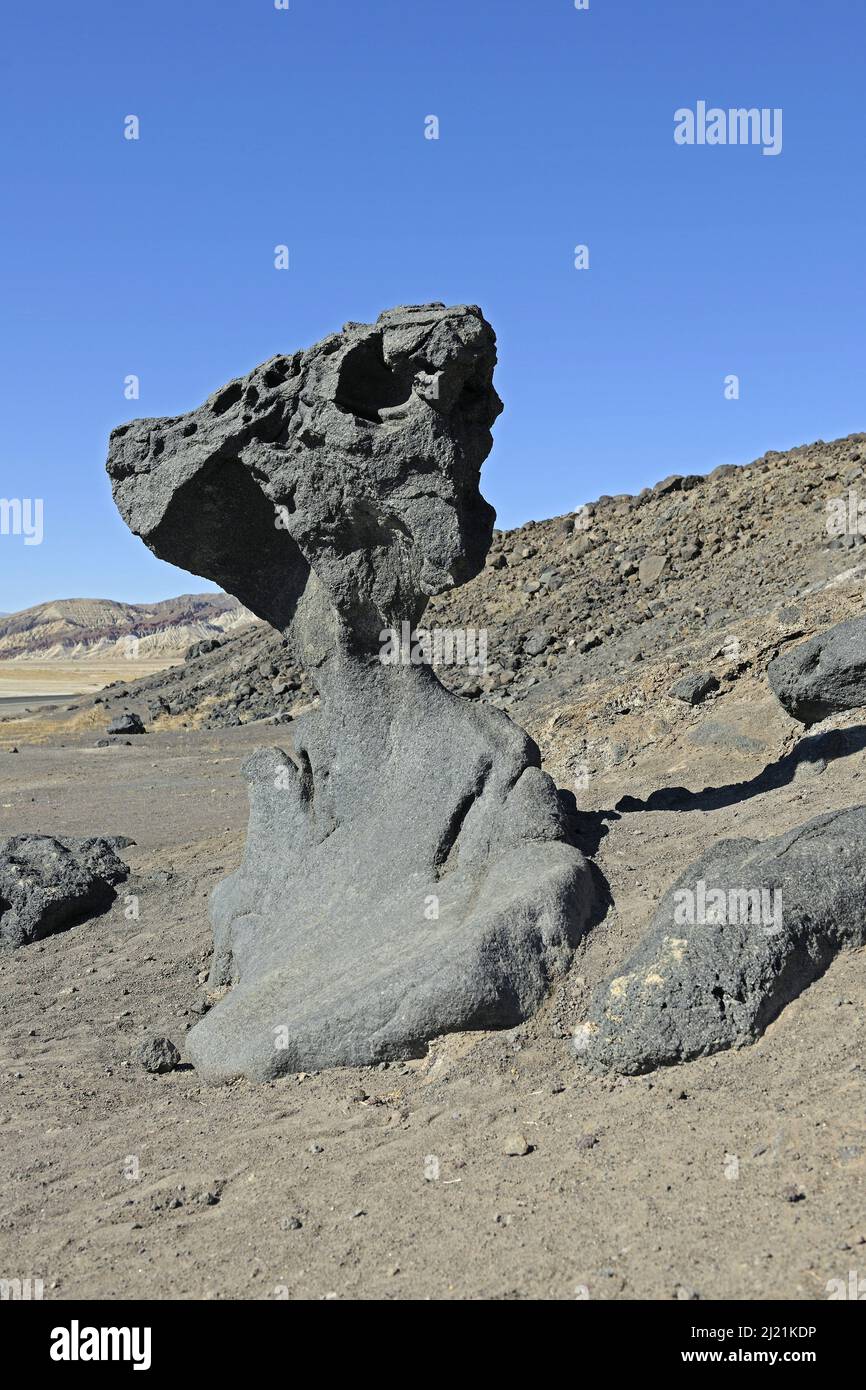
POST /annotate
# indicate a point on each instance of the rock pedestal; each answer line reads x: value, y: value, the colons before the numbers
x: 408, y: 871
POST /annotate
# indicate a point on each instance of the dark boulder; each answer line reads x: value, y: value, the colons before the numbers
x: 824, y: 676
x: 48, y: 883
x: 741, y: 933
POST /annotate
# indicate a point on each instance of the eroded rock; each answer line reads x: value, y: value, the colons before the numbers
x: 48, y: 883
x: 741, y: 933
x: 408, y: 871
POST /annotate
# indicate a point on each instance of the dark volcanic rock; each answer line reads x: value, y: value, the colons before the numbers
x: 158, y: 1055
x: 823, y: 676
x: 126, y: 724
x: 351, y: 472
x: 408, y: 871
x: 743, y: 931
x: 695, y: 688
x: 47, y: 883
x: 209, y: 644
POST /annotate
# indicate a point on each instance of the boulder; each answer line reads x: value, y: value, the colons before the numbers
x: 208, y: 644
x: 48, y: 883
x: 824, y: 676
x: 127, y: 723
x: 741, y: 933
x: 408, y: 870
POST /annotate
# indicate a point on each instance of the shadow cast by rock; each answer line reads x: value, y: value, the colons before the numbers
x: 815, y: 751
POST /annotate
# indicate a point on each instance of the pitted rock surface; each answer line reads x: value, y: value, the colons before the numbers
x: 365, y: 450
x: 408, y: 871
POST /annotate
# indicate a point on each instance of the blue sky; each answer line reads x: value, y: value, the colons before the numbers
x: 306, y: 127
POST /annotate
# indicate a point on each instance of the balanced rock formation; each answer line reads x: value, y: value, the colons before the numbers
x: 408, y: 870
x: 47, y: 883
x: 824, y: 676
x: 740, y: 934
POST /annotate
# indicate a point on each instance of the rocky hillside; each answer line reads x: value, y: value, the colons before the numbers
x: 716, y: 569
x: 79, y: 629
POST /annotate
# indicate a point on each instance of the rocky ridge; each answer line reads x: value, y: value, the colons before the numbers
x: 691, y: 565
x: 103, y: 629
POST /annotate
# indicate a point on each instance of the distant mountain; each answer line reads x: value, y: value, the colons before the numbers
x: 89, y: 629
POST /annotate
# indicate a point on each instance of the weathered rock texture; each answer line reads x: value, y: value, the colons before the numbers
x: 741, y: 933
x: 823, y: 676
x: 407, y: 871
x: 158, y: 1055
x: 47, y: 884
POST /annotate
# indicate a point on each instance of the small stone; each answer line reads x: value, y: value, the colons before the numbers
x: 693, y: 689
x: 672, y: 483
x: 651, y: 568
x: 516, y: 1146
x: 158, y: 1055
x: 537, y: 642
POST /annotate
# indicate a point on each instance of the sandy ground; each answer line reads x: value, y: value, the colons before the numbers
x: 394, y: 1182
x: 27, y: 688
x: 63, y: 679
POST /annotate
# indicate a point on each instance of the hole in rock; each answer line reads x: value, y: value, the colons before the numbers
x: 227, y: 398
x: 367, y: 385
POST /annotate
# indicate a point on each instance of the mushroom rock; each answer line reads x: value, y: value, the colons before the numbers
x: 408, y: 869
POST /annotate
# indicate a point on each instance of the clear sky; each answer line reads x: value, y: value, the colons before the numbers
x: 306, y: 127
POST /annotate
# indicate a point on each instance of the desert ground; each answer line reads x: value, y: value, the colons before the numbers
x: 25, y: 685
x: 18, y: 679
x: 497, y: 1166
x: 740, y: 1175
